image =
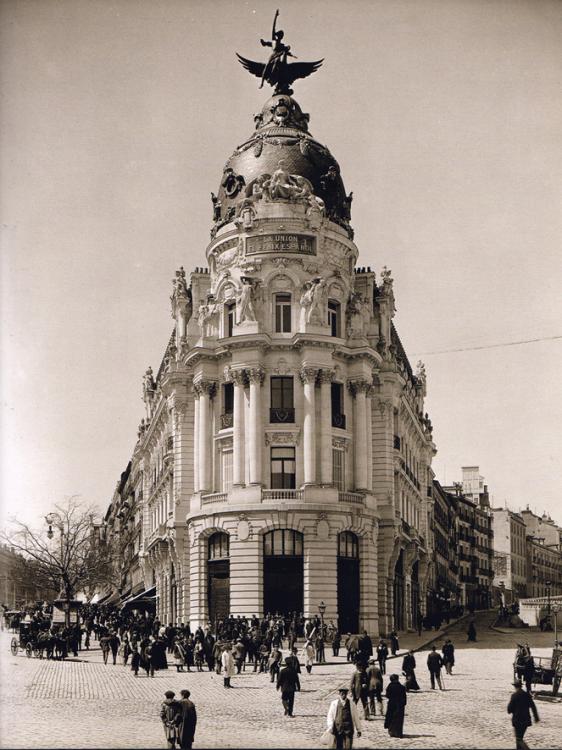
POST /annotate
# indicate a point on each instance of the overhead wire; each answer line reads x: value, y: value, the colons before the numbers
x: 487, y: 346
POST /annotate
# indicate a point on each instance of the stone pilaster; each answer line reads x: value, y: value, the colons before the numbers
x: 358, y: 389
x: 246, y: 570
x: 206, y: 390
x: 308, y: 378
x: 238, y: 473
x: 256, y: 377
x: 325, y: 378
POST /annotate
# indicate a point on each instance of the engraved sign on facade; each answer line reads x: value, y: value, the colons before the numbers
x: 281, y: 243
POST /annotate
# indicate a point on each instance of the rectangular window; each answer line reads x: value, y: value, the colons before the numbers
x: 226, y: 471
x: 338, y: 417
x: 282, y: 313
x: 230, y: 312
x: 338, y: 468
x: 228, y: 398
x: 283, y: 468
x: 282, y: 400
x: 334, y: 317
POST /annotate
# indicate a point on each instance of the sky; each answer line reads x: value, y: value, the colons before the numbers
x: 116, y: 119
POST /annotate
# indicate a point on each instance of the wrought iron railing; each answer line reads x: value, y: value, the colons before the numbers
x: 282, y: 495
x: 227, y: 420
x: 281, y: 415
x: 338, y: 420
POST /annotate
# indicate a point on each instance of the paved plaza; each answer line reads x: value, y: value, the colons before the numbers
x: 87, y: 704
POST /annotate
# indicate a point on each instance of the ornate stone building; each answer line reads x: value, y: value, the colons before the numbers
x: 284, y: 459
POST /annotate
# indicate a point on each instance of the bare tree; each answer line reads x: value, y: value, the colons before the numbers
x: 64, y: 554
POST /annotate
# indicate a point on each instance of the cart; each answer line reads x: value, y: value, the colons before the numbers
x: 547, y: 670
x: 25, y: 641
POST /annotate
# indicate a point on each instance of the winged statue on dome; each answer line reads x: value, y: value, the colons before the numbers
x: 277, y: 71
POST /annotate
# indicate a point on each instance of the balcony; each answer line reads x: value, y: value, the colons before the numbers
x: 281, y: 416
x: 214, y: 497
x: 227, y: 420
x: 351, y: 497
x: 338, y: 420
x: 267, y: 495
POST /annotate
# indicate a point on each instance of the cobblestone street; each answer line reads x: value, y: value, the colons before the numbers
x: 88, y: 704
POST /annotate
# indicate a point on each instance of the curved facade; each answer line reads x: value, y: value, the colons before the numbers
x: 285, y: 453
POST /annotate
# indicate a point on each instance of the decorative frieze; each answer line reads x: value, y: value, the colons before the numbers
x: 285, y: 437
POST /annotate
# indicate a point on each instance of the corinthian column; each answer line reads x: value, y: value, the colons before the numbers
x: 239, y: 378
x: 358, y: 389
x: 325, y: 380
x: 206, y: 390
x: 369, y: 435
x: 196, y: 483
x: 308, y: 379
x: 256, y: 377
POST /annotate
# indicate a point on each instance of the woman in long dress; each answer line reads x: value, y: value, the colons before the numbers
x: 408, y: 668
x: 395, y: 708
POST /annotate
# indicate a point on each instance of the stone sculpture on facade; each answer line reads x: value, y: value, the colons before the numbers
x: 313, y: 301
x: 246, y: 301
x: 207, y: 310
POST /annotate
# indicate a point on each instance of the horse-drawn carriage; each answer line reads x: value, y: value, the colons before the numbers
x: 26, y: 640
x: 539, y: 670
x: 39, y: 642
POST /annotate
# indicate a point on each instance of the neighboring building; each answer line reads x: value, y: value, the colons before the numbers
x: 285, y: 455
x: 543, y: 527
x: 476, y: 540
x: 16, y: 586
x: 544, y: 569
x: 444, y: 590
x: 510, y: 555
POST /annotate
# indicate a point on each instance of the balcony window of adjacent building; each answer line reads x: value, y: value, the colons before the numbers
x: 283, y: 469
x: 282, y: 313
x: 282, y: 400
x: 229, y: 318
x: 334, y: 317
x: 338, y: 416
x: 338, y: 468
x: 227, y: 405
x: 226, y: 470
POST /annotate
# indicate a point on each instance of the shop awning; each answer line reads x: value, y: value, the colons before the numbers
x: 145, y: 598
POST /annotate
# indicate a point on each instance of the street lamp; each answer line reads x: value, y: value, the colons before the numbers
x: 548, y: 584
x: 54, y: 519
x: 322, y: 609
x: 556, y: 610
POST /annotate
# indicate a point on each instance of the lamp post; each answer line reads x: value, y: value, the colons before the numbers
x: 54, y: 519
x: 548, y: 584
x: 322, y: 609
x: 556, y: 610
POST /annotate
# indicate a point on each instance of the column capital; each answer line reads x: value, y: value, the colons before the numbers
x: 207, y: 387
x: 239, y: 377
x: 256, y: 375
x: 325, y: 375
x: 308, y: 375
x: 358, y: 386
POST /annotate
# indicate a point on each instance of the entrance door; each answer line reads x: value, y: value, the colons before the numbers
x: 399, y: 593
x: 283, y: 572
x: 348, y: 583
x: 218, y: 578
x: 415, y: 601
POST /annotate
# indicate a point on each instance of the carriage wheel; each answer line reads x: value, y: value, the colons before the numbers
x: 28, y: 650
x: 37, y: 653
x: 555, y: 685
x: 14, y: 646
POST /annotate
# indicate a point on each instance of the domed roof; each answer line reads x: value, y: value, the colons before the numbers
x: 282, y: 135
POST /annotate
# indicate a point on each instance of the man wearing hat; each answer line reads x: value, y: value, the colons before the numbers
x: 170, y: 713
x: 187, y: 722
x: 520, y: 706
x: 375, y: 686
x: 288, y: 682
x: 343, y: 720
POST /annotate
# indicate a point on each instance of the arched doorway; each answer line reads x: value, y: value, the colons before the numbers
x: 348, y: 582
x: 283, y: 572
x: 399, y: 592
x: 218, y: 577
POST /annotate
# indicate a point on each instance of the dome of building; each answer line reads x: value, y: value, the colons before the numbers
x: 282, y: 136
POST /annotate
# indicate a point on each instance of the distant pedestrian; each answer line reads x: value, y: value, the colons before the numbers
x: 419, y: 622
x: 375, y: 686
x: 396, y: 707
x: 288, y: 683
x: 135, y: 661
x: 308, y: 656
x: 365, y: 647
x: 471, y: 632
x: 105, y: 648
x: 434, y: 664
x: 170, y: 715
x: 394, y: 644
x: 408, y: 668
x: 114, y: 642
x: 227, y: 662
x: 359, y: 687
x: 382, y: 655
x: 520, y: 706
x: 343, y: 721
x: 188, y: 721
x: 336, y: 642
x: 448, y: 651
x: 293, y: 660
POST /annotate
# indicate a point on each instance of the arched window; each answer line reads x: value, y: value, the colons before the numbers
x: 282, y: 543
x: 348, y: 545
x: 219, y: 547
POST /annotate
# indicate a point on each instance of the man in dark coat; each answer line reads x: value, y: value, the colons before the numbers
x: 365, y: 647
x: 382, y: 655
x: 375, y: 686
x: 188, y: 721
x: 359, y: 687
x: 396, y: 707
x: 170, y: 715
x: 114, y: 643
x: 158, y: 654
x: 448, y: 656
x: 288, y: 682
x: 293, y: 660
x: 520, y: 706
x: 434, y: 664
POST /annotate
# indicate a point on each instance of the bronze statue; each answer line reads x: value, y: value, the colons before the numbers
x: 277, y: 71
